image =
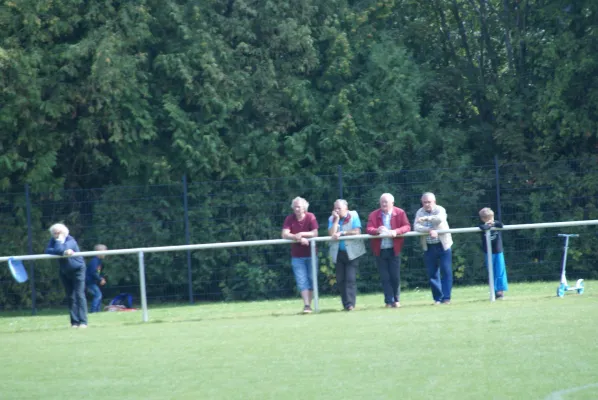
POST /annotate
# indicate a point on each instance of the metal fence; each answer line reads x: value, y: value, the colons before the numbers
x: 142, y: 252
x: 254, y: 209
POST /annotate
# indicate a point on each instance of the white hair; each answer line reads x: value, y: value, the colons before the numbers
x: 301, y: 201
x: 430, y: 195
x: 60, y: 228
x: 389, y: 196
x: 342, y: 202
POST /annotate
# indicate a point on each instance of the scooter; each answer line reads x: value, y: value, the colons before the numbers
x: 564, y: 287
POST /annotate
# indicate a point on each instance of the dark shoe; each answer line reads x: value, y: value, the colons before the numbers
x: 500, y: 295
x: 307, y: 310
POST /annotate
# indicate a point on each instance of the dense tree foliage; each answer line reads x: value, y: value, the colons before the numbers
x: 228, y: 89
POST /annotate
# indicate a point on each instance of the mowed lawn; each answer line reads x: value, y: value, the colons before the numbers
x: 532, y: 345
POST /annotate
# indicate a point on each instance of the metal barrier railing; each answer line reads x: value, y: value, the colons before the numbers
x: 205, y: 246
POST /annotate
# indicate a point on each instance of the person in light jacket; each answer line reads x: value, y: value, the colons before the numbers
x: 345, y: 253
x: 438, y: 256
x: 72, y: 272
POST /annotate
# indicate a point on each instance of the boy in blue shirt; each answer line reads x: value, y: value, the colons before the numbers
x: 94, y: 279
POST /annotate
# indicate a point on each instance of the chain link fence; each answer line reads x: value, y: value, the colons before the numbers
x: 254, y: 209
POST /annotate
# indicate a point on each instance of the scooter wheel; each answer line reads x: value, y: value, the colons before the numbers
x: 560, y: 291
x: 580, y: 286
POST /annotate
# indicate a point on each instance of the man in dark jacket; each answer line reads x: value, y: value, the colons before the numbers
x: 72, y: 272
x: 499, y: 267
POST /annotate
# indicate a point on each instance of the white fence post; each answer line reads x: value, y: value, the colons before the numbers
x: 489, y: 264
x: 142, y: 287
x: 314, y: 274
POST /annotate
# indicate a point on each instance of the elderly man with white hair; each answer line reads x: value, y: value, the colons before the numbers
x: 438, y: 255
x: 72, y: 272
x: 389, y: 220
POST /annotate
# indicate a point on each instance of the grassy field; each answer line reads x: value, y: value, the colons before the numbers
x: 532, y: 345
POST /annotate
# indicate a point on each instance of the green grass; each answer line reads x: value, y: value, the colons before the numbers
x: 532, y: 345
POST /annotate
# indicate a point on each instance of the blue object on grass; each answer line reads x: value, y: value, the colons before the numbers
x: 17, y: 269
x: 123, y: 299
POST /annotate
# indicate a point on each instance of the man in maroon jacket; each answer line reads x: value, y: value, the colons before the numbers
x: 390, y: 221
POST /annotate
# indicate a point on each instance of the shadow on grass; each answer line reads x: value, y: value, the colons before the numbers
x: 226, y: 316
x: 49, y: 312
x: 212, y: 311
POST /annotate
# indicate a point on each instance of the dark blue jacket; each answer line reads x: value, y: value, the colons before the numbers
x: 66, y: 264
x: 495, y: 238
x: 92, y: 275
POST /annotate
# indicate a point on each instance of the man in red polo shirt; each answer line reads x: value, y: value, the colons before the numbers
x: 390, y: 221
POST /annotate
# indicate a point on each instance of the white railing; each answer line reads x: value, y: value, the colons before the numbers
x: 140, y: 251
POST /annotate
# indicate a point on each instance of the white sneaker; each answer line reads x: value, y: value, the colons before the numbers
x: 83, y: 326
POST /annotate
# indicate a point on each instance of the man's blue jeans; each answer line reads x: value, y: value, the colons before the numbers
x: 74, y: 286
x: 302, y: 272
x: 439, y: 264
x: 96, y: 294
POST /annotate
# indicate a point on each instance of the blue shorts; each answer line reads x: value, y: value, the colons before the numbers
x: 302, y: 271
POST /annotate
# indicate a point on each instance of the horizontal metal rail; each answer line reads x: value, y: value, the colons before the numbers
x: 224, y: 245
x: 207, y: 246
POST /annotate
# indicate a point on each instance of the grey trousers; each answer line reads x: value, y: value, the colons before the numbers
x: 346, y: 278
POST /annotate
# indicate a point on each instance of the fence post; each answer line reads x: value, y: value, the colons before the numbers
x: 30, y: 250
x: 497, y: 175
x: 340, y: 181
x: 187, y: 239
x: 314, y: 274
x: 142, y: 287
x: 489, y: 264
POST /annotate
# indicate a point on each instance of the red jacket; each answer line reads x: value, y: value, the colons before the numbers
x: 398, y: 222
